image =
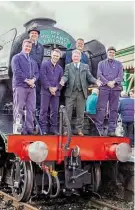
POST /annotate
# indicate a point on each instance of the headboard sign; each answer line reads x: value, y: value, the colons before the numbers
x: 56, y: 36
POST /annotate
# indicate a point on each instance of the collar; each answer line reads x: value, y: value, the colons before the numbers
x: 36, y: 42
x: 110, y: 60
x: 78, y: 65
x: 52, y: 63
x: 26, y: 55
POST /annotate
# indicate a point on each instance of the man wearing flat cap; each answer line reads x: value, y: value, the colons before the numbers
x: 37, y: 53
x: 110, y: 72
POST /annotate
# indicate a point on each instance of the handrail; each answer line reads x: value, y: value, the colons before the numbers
x: 65, y: 117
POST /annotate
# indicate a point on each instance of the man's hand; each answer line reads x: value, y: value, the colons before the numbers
x: 62, y: 82
x: 33, y: 86
x: 99, y: 83
x: 30, y: 82
x: 53, y: 90
x: 111, y: 84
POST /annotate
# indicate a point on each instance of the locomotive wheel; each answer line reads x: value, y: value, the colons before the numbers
x: 96, y: 176
x: 22, y: 179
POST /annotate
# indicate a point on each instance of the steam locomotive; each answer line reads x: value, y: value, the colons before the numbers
x: 51, y: 165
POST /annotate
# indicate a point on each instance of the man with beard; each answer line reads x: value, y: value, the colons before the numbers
x: 110, y: 72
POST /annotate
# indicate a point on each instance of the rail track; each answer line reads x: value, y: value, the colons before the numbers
x: 10, y: 202
x: 98, y: 204
x: 7, y: 202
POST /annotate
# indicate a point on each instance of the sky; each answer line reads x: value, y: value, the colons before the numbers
x: 112, y: 23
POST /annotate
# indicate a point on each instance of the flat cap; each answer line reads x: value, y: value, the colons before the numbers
x: 111, y: 48
x: 33, y: 29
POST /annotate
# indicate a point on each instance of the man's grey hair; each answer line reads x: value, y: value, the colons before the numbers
x: 123, y: 93
x: 76, y: 52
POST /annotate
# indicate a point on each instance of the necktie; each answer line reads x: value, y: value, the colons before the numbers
x: 76, y: 66
x: 27, y: 56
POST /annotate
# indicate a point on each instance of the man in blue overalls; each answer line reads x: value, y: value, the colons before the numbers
x: 110, y: 73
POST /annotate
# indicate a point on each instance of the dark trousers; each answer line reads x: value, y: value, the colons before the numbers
x: 128, y: 128
x: 52, y: 102
x: 112, y: 96
x: 77, y: 98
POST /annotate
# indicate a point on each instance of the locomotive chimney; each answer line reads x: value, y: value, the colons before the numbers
x: 39, y: 22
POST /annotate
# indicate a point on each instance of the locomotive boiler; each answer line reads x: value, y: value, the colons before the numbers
x: 51, y: 165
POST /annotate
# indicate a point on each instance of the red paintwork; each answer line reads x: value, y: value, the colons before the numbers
x: 91, y: 147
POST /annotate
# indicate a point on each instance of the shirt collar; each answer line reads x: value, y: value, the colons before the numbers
x: 35, y: 43
x: 52, y: 63
x: 77, y: 65
x: 26, y: 55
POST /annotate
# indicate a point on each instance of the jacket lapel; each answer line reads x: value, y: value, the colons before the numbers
x: 81, y: 67
x: 22, y: 54
x: 72, y: 67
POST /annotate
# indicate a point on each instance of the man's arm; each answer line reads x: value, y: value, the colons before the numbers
x: 59, y: 86
x: 16, y: 69
x: 119, y: 78
x: 100, y: 74
x: 36, y: 74
x: 42, y: 53
x: 43, y: 76
x: 65, y: 77
x: 90, y: 77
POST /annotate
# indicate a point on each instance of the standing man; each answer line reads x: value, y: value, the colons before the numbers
x: 110, y: 72
x: 80, y: 47
x: 25, y: 74
x: 77, y: 76
x: 126, y: 111
x: 50, y: 74
x: 37, y: 53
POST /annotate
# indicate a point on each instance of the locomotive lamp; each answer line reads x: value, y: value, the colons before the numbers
x: 120, y: 151
x: 36, y: 151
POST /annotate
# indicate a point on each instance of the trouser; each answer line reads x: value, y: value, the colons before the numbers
x: 112, y: 96
x: 52, y: 102
x: 77, y: 98
x: 38, y: 88
x: 24, y: 98
x: 128, y: 128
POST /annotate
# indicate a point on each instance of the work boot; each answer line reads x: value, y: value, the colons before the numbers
x: 111, y: 134
x: 80, y: 133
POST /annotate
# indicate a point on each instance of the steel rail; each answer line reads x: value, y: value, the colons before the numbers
x: 18, y: 205
x: 97, y: 203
